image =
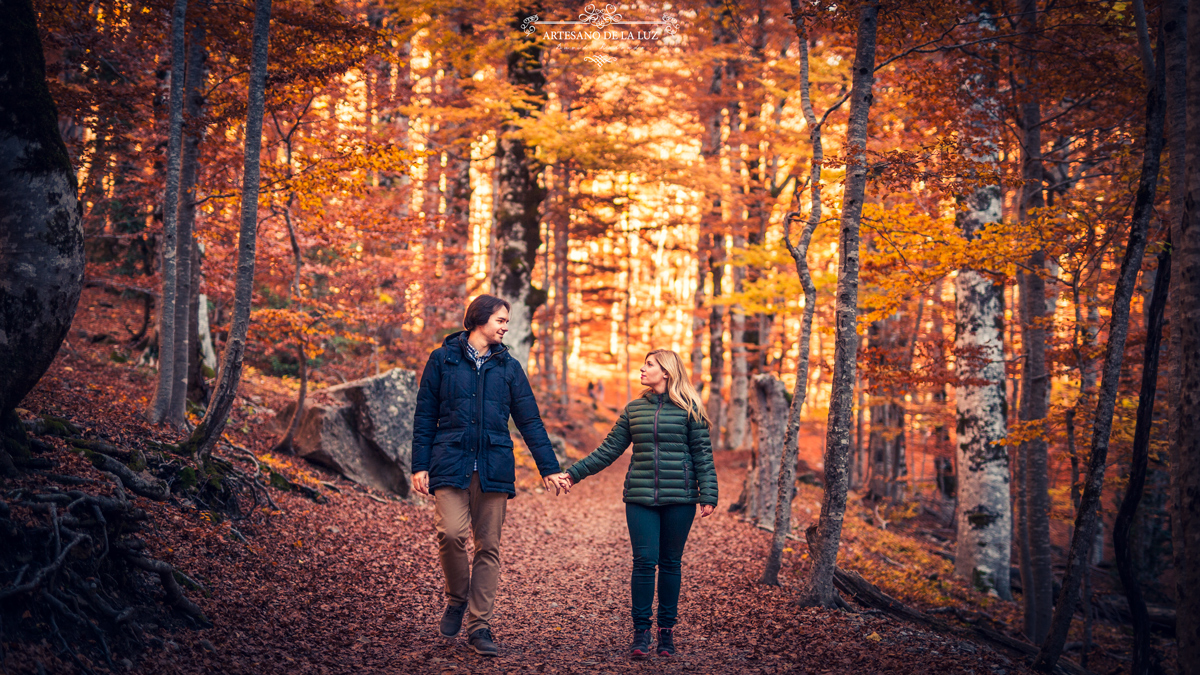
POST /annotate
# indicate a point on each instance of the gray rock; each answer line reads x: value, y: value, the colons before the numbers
x: 382, y: 409
x: 361, y: 429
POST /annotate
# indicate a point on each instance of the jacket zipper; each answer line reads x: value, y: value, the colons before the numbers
x: 659, y: 409
x: 479, y: 378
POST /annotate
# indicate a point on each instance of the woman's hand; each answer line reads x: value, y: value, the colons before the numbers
x: 706, y: 510
x: 559, y: 482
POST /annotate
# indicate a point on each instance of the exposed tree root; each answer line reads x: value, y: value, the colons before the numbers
x: 867, y: 594
x: 70, y: 557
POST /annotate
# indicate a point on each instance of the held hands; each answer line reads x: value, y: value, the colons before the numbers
x: 559, y: 482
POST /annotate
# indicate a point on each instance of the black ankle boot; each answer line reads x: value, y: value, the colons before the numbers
x: 666, y: 642
x: 640, y: 648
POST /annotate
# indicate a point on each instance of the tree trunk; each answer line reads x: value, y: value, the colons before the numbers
x: 41, y: 230
x: 698, y: 313
x: 983, y: 509
x: 515, y: 231
x: 818, y: 586
x: 770, y: 410
x: 161, y: 410
x: 983, y: 504
x: 1036, y: 575
x: 1086, y: 520
x: 562, y: 239
x: 186, y: 293
x: 197, y: 389
x: 284, y: 444
x: 739, y: 373
x: 885, y: 443
x: 1143, y: 658
x: 458, y: 165
x: 716, y: 342
x: 206, y: 435
x: 1181, y: 29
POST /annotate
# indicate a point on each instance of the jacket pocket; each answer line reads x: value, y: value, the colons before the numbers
x: 447, y: 453
x: 501, y: 464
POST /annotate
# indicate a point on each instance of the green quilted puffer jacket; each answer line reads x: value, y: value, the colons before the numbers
x: 672, y: 455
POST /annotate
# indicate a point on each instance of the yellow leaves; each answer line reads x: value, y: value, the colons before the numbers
x: 1022, y: 431
x: 385, y: 298
x: 874, y: 637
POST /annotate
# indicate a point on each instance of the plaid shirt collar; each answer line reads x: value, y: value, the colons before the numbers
x: 479, y: 360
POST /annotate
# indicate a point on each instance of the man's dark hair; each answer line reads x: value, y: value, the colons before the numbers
x: 481, y: 309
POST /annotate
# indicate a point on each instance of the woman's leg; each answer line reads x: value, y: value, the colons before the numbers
x: 644, y: 530
x: 673, y: 533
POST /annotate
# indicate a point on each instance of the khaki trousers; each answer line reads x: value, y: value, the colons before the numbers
x: 480, y: 514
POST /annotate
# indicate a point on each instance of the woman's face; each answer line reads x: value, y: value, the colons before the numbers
x: 652, y: 374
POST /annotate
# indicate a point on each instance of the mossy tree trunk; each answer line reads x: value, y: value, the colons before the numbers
x: 818, y: 586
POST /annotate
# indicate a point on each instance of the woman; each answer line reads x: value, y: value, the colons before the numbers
x: 670, y: 473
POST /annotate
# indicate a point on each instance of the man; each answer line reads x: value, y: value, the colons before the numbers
x: 463, y: 455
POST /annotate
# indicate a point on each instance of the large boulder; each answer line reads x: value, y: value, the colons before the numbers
x: 361, y: 429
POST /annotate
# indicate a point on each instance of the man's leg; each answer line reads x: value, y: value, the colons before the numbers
x: 644, y: 530
x: 676, y: 524
x: 487, y: 519
x: 453, y: 528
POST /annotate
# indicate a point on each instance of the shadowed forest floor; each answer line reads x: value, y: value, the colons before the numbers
x: 354, y: 586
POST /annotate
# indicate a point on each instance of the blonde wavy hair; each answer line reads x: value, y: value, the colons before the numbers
x: 679, y: 386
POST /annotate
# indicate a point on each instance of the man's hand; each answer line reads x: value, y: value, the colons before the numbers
x: 706, y: 510
x: 421, y: 482
x: 559, y: 482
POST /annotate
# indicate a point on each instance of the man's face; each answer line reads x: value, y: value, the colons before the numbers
x: 496, y: 326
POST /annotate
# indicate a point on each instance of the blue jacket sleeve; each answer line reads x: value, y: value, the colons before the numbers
x: 425, y: 417
x: 525, y: 413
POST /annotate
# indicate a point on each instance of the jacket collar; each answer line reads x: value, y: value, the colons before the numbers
x: 457, y: 343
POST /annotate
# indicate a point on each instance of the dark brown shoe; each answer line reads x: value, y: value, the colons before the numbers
x: 481, y: 642
x: 452, y: 620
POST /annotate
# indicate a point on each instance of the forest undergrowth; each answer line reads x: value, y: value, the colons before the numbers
x: 334, y: 578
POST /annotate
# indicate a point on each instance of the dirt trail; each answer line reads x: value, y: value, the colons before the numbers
x: 354, y: 587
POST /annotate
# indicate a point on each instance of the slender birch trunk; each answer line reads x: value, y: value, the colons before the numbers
x: 818, y: 585
x: 160, y: 410
x: 208, y: 433
x: 983, y: 507
x: 983, y: 510
x: 1088, y: 516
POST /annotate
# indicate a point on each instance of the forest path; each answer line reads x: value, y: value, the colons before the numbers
x: 354, y: 586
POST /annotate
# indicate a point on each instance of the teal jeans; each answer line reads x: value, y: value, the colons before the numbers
x: 658, y: 534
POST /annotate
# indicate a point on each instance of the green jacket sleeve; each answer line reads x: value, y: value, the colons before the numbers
x: 608, y: 452
x: 700, y: 446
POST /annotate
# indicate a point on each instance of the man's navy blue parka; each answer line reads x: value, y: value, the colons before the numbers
x: 462, y: 418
